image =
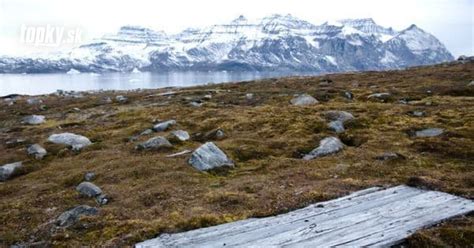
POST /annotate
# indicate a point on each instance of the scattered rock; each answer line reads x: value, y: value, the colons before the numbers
x: 163, y: 126
x: 216, y: 134
x: 471, y: 83
x: 146, y: 132
x: 249, y: 96
x: 121, y: 99
x: 348, y: 95
x: 336, y: 126
x: 102, y: 199
x: 71, y: 216
x: 335, y: 115
x: 89, y: 176
x: 77, y: 142
x: 304, y: 99
x: 178, y: 154
x: 7, y: 171
x: 88, y: 189
x: 34, y: 101
x: 429, y: 132
x: 33, y: 119
x: 37, y: 151
x: 155, y: 143
x: 337, y: 120
x: 326, y: 147
x: 207, y: 97
x: 106, y: 100
x: 389, y: 156
x: 195, y: 104
x: 209, y: 157
x: 380, y: 96
x: 180, y: 135
x: 416, y: 113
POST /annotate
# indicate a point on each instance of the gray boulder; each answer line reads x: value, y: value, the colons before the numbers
x: 337, y: 120
x: 88, y: 189
x: 208, y: 157
x: 77, y: 142
x: 471, y: 83
x: 155, y: 143
x: 326, y: 147
x: 33, y: 119
x: 429, y: 132
x: 341, y: 116
x: 163, y: 126
x: 180, y: 135
x: 8, y: 170
x: 71, y: 216
x: 304, y: 99
x: 37, y: 151
x: 348, y: 95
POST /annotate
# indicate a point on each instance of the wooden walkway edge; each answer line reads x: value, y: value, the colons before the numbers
x: 374, y: 217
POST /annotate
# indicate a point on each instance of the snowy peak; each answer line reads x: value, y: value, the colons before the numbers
x: 274, y: 42
x: 418, y: 40
x: 136, y: 34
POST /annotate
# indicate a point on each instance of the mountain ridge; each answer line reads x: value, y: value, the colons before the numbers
x: 274, y: 42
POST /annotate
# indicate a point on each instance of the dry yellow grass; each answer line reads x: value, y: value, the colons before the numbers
x: 266, y: 136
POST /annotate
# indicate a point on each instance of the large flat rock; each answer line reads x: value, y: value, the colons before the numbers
x: 373, y: 217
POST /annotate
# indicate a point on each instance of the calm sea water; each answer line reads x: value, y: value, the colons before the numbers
x: 35, y: 84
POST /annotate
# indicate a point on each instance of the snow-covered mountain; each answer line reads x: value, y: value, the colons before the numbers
x: 276, y: 42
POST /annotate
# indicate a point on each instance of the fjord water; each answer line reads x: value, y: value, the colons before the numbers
x: 36, y: 84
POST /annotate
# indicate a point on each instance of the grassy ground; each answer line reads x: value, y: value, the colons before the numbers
x: 266, y: 137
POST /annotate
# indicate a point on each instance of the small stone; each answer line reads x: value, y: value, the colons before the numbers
x: 417, y: 113
x: 102, y: 199
x: 195, y: 104
x: 106, y: 100
x: 156, y: 143
x: 89, y: 176
x: 471, y: 84
x: 33, y: 119
x: 77, y: 142
x: 216, y: 134
x: 180, y: 135
x: 429, y: 132
x: 348, y: 95
x: 326, y: 147
x: 121, y: 99
x: 389, y: 156
x: 88, y: 189
x: 7, y: 171
x: 380, y: 96
x: 34, y: 101
x: 304, y: 99
x: 249, y: 96
x: 209, y: 157
x: 163, y: 126
x: 208, y: 97
x: 37, y: 151
x: 71, y: 216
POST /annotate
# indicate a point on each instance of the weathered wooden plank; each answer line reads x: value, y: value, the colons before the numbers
x: 372, y: 217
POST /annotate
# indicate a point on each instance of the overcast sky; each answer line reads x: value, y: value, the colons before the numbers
x: 451, y: 21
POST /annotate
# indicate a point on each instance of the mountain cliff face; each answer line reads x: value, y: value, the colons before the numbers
x: 276, y: 42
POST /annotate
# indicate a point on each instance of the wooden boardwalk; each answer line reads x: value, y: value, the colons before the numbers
x: 372, y: 217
